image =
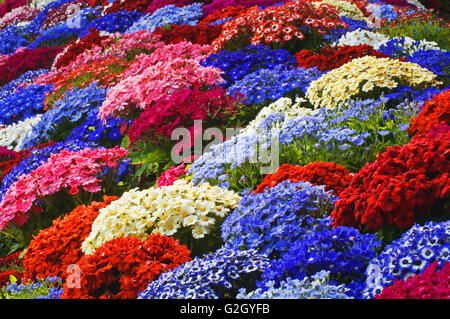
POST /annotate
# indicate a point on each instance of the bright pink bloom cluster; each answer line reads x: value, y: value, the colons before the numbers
x: 431, y: 284
x: 159, y: 75
x: 64, y: 170
x: 171, y: 175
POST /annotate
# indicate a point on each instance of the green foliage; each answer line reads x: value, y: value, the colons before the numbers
x: 49, y: 288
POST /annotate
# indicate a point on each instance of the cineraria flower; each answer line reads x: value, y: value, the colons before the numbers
x: 169, y: 210
x: 436, y: 111
x: 114, y: 22
x: 334, y: 177
x: 436, y: 61
x: 35, y: 156
x: 431, y: 284
x: 274, y: 83
x: 342, y: 251
x: 406, y: 184
x: 124, y: 266
x: 22, y: 81
x: 408, y: 256
x: 405, y: 46
x: 318, y: 286
x: 24, y: 103
x: 168, y: 177
x: 64, y: 170
x: 271, y: 221
x: 365, y: 77
x: 216, y: 275
x: 54, y: 249
x: 66, y: 113
x: 242, y: 62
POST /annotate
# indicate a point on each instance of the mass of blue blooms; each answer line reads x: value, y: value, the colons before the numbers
x: 34, y: 290
x: 215, y: 275
x: 271, y: 221
x: 169, y: 15
x: 114, y: 22
x: 26, y: 78
x: 13, y: 37
x: 264, y: 84
x: 436, y: 61
x: 240, y: 63
x: 343, y: 251
x: 419, y: 247
x: 24, y: 103
x: 66, y: 114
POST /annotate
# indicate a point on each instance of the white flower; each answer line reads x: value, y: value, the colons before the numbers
x: 13, y: 135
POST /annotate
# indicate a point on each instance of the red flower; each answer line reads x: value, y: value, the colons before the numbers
x: 334, y: 177
x: 333, y: 57
x: 435, y: 112
x: 122, y: 267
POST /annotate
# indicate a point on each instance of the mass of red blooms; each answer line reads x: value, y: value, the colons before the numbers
x: 278, y: 24
x: 217, y: 5
x: 333, y: 57
x: 57, y: 247
x: 225, y: 13
x: 404, y: 185
x: 431, y: 284
x: 6, y: 154
x: 4, y: 277
x: 13, y: 258
x: 8, y: 5
x: 78, y: 46
x: 63, y: 12
x: 26, y: 60
x: 6, y: 167
x: 435, y: 112
x: 199, y: 34
x: 181, y: 110
x: 335, y: 177
x: 122, y: 267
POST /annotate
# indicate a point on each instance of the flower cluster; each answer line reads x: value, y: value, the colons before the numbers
x: 215, y: 275
x: 169, y: 176
x: 436, y: 61
x: 334, y: 177
x: 238, y: 64
x: 151, y: 77
x: 317, y: 286
x: 333, y: 57
x: 366, y: 77
x: 65, y: 170
x: 271, y: 221
x: 54, y: 249
x: 181, y: 109
x: 66, y: 114
x: 174, y: 210
x: 431, y: 284
x: 220, y: 5
x: 199, y: 34
x: 342, y: 251
x: 169, y: 15
x: 277, y: 24
x: 26, y: 60
x: 436, y: 111
x: 122, y: 267
x: 408, y: 256
x: 159, y: 4
x: 24, y: 103
x: 119, y: 21
x: 404, y: 185
x: 31, y: 158
x: 264, y: 84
